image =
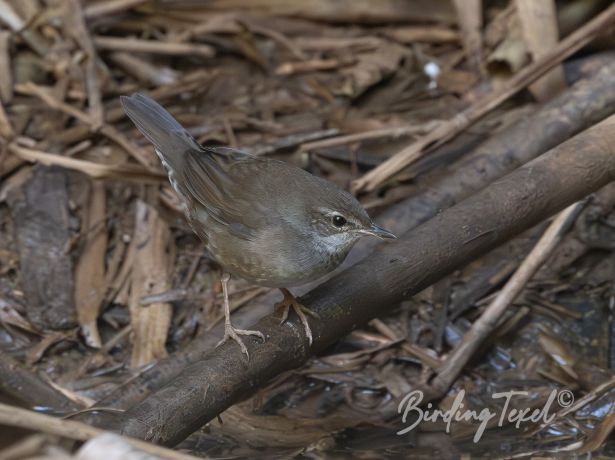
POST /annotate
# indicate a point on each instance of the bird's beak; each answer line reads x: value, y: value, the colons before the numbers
x: 379, y: 232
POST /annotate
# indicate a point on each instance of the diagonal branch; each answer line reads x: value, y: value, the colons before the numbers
x: 449, y: 129
x: 490, y: 318
x: 391, y: 274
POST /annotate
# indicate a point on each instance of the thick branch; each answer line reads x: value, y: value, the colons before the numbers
x: 391, y: 274
x: 583, y: 105
x: 448, y: 130
x: 588, y: 102
x: 489, y: 319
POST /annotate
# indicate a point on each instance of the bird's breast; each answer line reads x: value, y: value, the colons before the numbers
x: 274, y: 257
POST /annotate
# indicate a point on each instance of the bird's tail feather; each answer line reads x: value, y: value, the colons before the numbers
x: 160, y: 128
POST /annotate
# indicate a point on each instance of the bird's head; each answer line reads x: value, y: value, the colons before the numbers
x: 340, y: 220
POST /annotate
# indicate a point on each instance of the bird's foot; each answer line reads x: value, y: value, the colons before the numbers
x: 232, y: 333
x: 301, y: 310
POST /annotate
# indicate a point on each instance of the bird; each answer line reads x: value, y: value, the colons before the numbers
x: 263, y: 220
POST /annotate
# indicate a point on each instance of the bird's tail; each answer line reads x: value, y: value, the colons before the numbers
x: 160, y: 128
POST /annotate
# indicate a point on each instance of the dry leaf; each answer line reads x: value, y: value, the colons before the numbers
x: 90, y: 283
x: 151, y: 274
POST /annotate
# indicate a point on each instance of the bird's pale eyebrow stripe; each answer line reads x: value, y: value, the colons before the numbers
x: 330, y: 212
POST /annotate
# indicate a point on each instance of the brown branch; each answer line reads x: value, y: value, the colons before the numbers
x: 391, y: 274
x: 578, y: 404
x: 109, y: 131
x: 6, y: 129
x: 6, y: 69
x: 13, y: 21
x: 110, y: 7
x: 585, y: 104
x: 92, y: 81
x: 143, y: 70
x: 393, y: 133
x: 126, y: 171
x: 153, y: 46
x: 312, y: 65
x: 22, y: 418
x: 490, y: 318
x: 191, y: 81
x: 22, y: 384
x: 460, y: 122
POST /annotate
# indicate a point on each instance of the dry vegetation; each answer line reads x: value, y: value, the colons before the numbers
x: 106, y: 295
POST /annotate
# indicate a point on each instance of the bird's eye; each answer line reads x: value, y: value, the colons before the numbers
x: 339, y: 221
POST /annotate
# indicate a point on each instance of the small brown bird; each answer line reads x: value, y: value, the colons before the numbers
x: 261, y: 219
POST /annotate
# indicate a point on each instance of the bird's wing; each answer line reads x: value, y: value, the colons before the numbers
x: 218, y: 179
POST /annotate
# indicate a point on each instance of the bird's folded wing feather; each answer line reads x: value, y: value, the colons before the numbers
x: 226, y: 199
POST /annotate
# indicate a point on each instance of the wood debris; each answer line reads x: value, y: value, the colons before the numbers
x: 90, y: 280
x: 108, y: 301
x: 151, y: 273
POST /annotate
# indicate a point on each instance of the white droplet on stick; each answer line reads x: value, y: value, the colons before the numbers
x: 432, y: 70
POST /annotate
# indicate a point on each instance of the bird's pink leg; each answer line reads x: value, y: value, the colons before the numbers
x: 229, y: 331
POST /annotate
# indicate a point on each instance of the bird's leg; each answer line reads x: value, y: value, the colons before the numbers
x: 229, y: 331
x: 301, y: 310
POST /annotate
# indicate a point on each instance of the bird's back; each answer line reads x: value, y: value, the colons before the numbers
x: 252, y: 213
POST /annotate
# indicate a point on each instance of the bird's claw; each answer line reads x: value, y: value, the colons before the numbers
x: 301, y: 310
x: 232, y: 333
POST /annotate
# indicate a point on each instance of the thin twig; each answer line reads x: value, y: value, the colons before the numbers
x: 6, y: 70
x: 92, y: 82
x: 110, y: 7
x: 153, y: 46
x: 108, y: 130
x: 412, y: 349
x: 275, y: 36
x: 22, y: 418
x: 490, y: 318
x: 450, y: 128
x: 579, y: 403
x: 32, y: 89
x: 313, y: 65
x: 6, y: 129
x: 127, y: 171
x: 289, y: 141
x: 143, y: 70
x: 10, y: 17
x: 395, y: 132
